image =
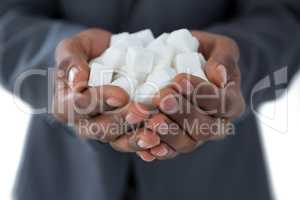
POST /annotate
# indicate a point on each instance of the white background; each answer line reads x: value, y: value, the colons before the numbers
x: 280, y: 136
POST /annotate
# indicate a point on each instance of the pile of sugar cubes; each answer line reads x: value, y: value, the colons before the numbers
x: 142, y: 65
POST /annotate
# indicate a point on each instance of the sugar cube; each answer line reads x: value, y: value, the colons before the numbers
x: 146, y: 36
x: 159, y: 41
x: 100, y: 74
x: 116, y: 38
x: 163, y: 54
x: 190, y: 63
x: 126, y: 83
x: 183, y: 41
x: 163, y: 37
x: 144, y: 93
x: 114, y: 57
x: 139, y: 62
x: 124, y: 41
x: 161, y: 77
x: 202, y: 59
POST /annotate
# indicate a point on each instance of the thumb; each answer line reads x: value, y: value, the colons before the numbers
x: 216, y: 73
x: 78, y: 75
x: 74, y: 72
x: 72, y: 64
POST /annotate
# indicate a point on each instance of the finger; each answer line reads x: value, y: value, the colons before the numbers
x: 100, y: 99
x: 222, y: 68
x: 137, y: 113
x: 219, y: 102
x: 116, y: 124
x: 171, y: 133
x: 216, y: 73
x: 163, y: 152
x: 72, y: 56
x: 90, y: 102
x: 87, y: 44
x: 222, y: 54
x: 137, y: 140
x: 146, y: 156
x: 94, y: 41
x: 191, y: 119
x: 72, y: 65
x: 104, y: 128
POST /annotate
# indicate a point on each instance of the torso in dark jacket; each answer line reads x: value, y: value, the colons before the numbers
x: 58, y: 165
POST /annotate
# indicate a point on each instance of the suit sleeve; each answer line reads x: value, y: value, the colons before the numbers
x: 29, y: 33
x: 267, y: 32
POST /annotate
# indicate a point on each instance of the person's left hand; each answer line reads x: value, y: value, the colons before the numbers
x: 192, y: 110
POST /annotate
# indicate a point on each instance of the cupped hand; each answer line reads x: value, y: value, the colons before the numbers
x: 100, y: 113
x: 192, y: 110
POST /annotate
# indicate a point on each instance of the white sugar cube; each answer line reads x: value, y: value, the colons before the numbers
x: 126, y: 83
x: 163, y: 37
x: 142, y: 65
x: 190, y: 63
x: 146, y: 36
x: 158, y: 79
x: 163, y: 54
x: 124, y: 41
x: 114, y: 57
x: 139, y: 62
x: 97, y: 60
x: 202, y: 60
x: 159, y: 41
x: 183, y: 41
x: 144, y: 93
x: 195, y: 44
x: 116, y: 38
x: 161, y: 77
x: 100, y: 74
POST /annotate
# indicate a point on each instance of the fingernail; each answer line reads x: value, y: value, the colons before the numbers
x: 143, y: 144
x: 162, y: 152
x: 222, y: 71
x: 186, y: 86
x: 132, y: 119
x: 114, y: 102
x: 170, y: 104
x: 147, y: 159
x: 72, y: 75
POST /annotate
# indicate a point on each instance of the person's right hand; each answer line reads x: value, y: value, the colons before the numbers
x: 99, y: 113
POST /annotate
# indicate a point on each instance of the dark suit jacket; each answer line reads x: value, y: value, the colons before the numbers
x: 57, y: 165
